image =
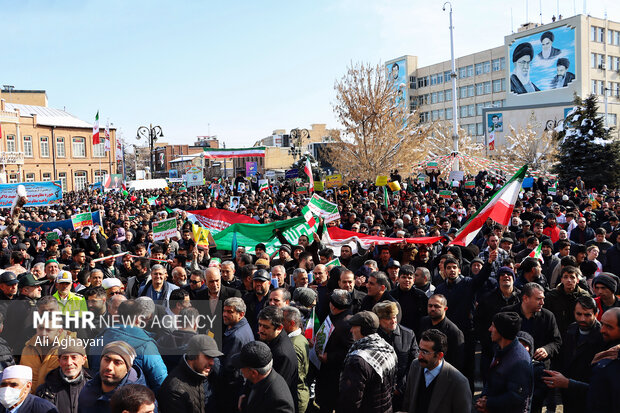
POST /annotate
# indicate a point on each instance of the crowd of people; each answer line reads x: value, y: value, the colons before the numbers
x: 391, y: 327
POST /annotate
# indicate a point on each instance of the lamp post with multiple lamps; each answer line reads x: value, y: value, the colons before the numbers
x: 297, y: 137
x: 455, y: 120
x: 152, y: 133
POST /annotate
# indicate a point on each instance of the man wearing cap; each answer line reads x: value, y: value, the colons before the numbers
x: 116, y: 369
x: 17, y: 328
x: 605, y: 286
x: 332, y: 358
x: 8, y: 289
x: 258, y: 298
x: 112, y: 287
x: 15, y: 392
x: 69, y: 302
x: 369, y: 374
x: 402, y: 340
x: 268, y: 392
x: 62, y: 385
x: 510, y: 384
x: 184, y: 388
x: 284, y: 256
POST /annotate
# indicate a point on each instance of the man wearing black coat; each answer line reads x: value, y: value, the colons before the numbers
x: 538, y: 321
x: 271, y: 331
x: 378, y: 286
x: 269, y: 392
x: 215, y: 294
x: 184, y: 388
x: 332, y: 359
x: 582, y: 341
x: 412, y: 301
x: 437, y: 307
x: 258, y: 298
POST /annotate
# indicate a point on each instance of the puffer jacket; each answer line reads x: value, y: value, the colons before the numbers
x: 63, y: 394
x: 92, y: 399
x: 147, y: 359
x: 182, y: 391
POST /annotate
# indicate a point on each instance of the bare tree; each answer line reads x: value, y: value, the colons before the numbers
x: 378, y: 133
x: 526, y: 146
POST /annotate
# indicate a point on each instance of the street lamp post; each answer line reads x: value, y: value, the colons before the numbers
x: 297, y: 137
x: 152, y: 133
x: 455, y: 114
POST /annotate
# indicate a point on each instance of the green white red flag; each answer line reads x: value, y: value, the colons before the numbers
x: 263, y: 185
x: 96, y: 130
x: 312, y: 326
x: 499, y: 208
x: 386, y: 197
x: 537, y: 252
x: 309, y: 216
x: 107, y: 136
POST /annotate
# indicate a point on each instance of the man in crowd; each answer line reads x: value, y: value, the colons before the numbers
x: 412, y: 301
x: 369, y: 373
x: 15, y: 390
x: 433, y: 384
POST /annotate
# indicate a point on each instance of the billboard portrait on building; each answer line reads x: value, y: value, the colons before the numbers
x: 543, y: 61
x: 397, y: 73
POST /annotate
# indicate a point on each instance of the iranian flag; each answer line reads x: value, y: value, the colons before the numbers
x: 96, y: 130
x: 216, y: 153
x: 263, y: 185
x: 492, y: 141
x: 537, y: 252
x: 499, y: 208
x: 308, y: 216
x: 308, y: 171
x: 312, y: 326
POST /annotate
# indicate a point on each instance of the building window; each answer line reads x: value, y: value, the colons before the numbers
x: 433, y: 80
x: 487, y: 88
x: 47, y: 177
x: 63, y: 180
x: 496, y: 65
x: 45, y: 147
x: 439, y: 80
x: 439, y: 98
x: 99, y: 175
x: 471, y: 91
x: 470, y: 70
x: 28, y: 146
x: 448, y: 95
x: 60, y: 147
x: 448, y: 113
x: 497, y: 86
x: 597, y: 34
x: 441, y: 115
x: 601, y: 88
x: 463, y: 92
x: 479, y: 129
x: 79, y: 147
x: 479, y: 107
x: 80, y: 180
x: 612, y: 118
x: 479, y: 89
x: 13, y: 178
x: 487, y: 66
x: 471, y: 129
x: 10, y: 143
x: 447, y: 76
x: 434, y: 97
x: 498, y: 103
x: 412, y: 82
x: 29, y: 177
x: 594, y: 88
x: 462, y: 73
x: 464, y: 111
x: 99, y: 150
x: 472, y: 110
x: 478, y: 69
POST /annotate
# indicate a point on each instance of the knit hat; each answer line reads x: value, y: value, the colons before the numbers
x: 505, y: 270
x: 75, y: 349
x: 609, y: 280
x: 122, y: 349
x: 528, y: 339
x: 286, y: 247
x: 507, y: 324
x: 254, y: 354
x: 304, y: 296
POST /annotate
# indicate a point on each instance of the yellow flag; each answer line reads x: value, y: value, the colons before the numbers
x: 394, y: 186
x: 201, y: 236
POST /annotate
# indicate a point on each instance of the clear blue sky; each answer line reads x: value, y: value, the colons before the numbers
x: 244, y: 67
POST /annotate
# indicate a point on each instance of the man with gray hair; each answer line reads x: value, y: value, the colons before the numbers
x: 237, y: 334
x: 300, y: 278
x: 158, y: 289
x: 269, y: 391
x: 293, y: 327
x: 422, y: 281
